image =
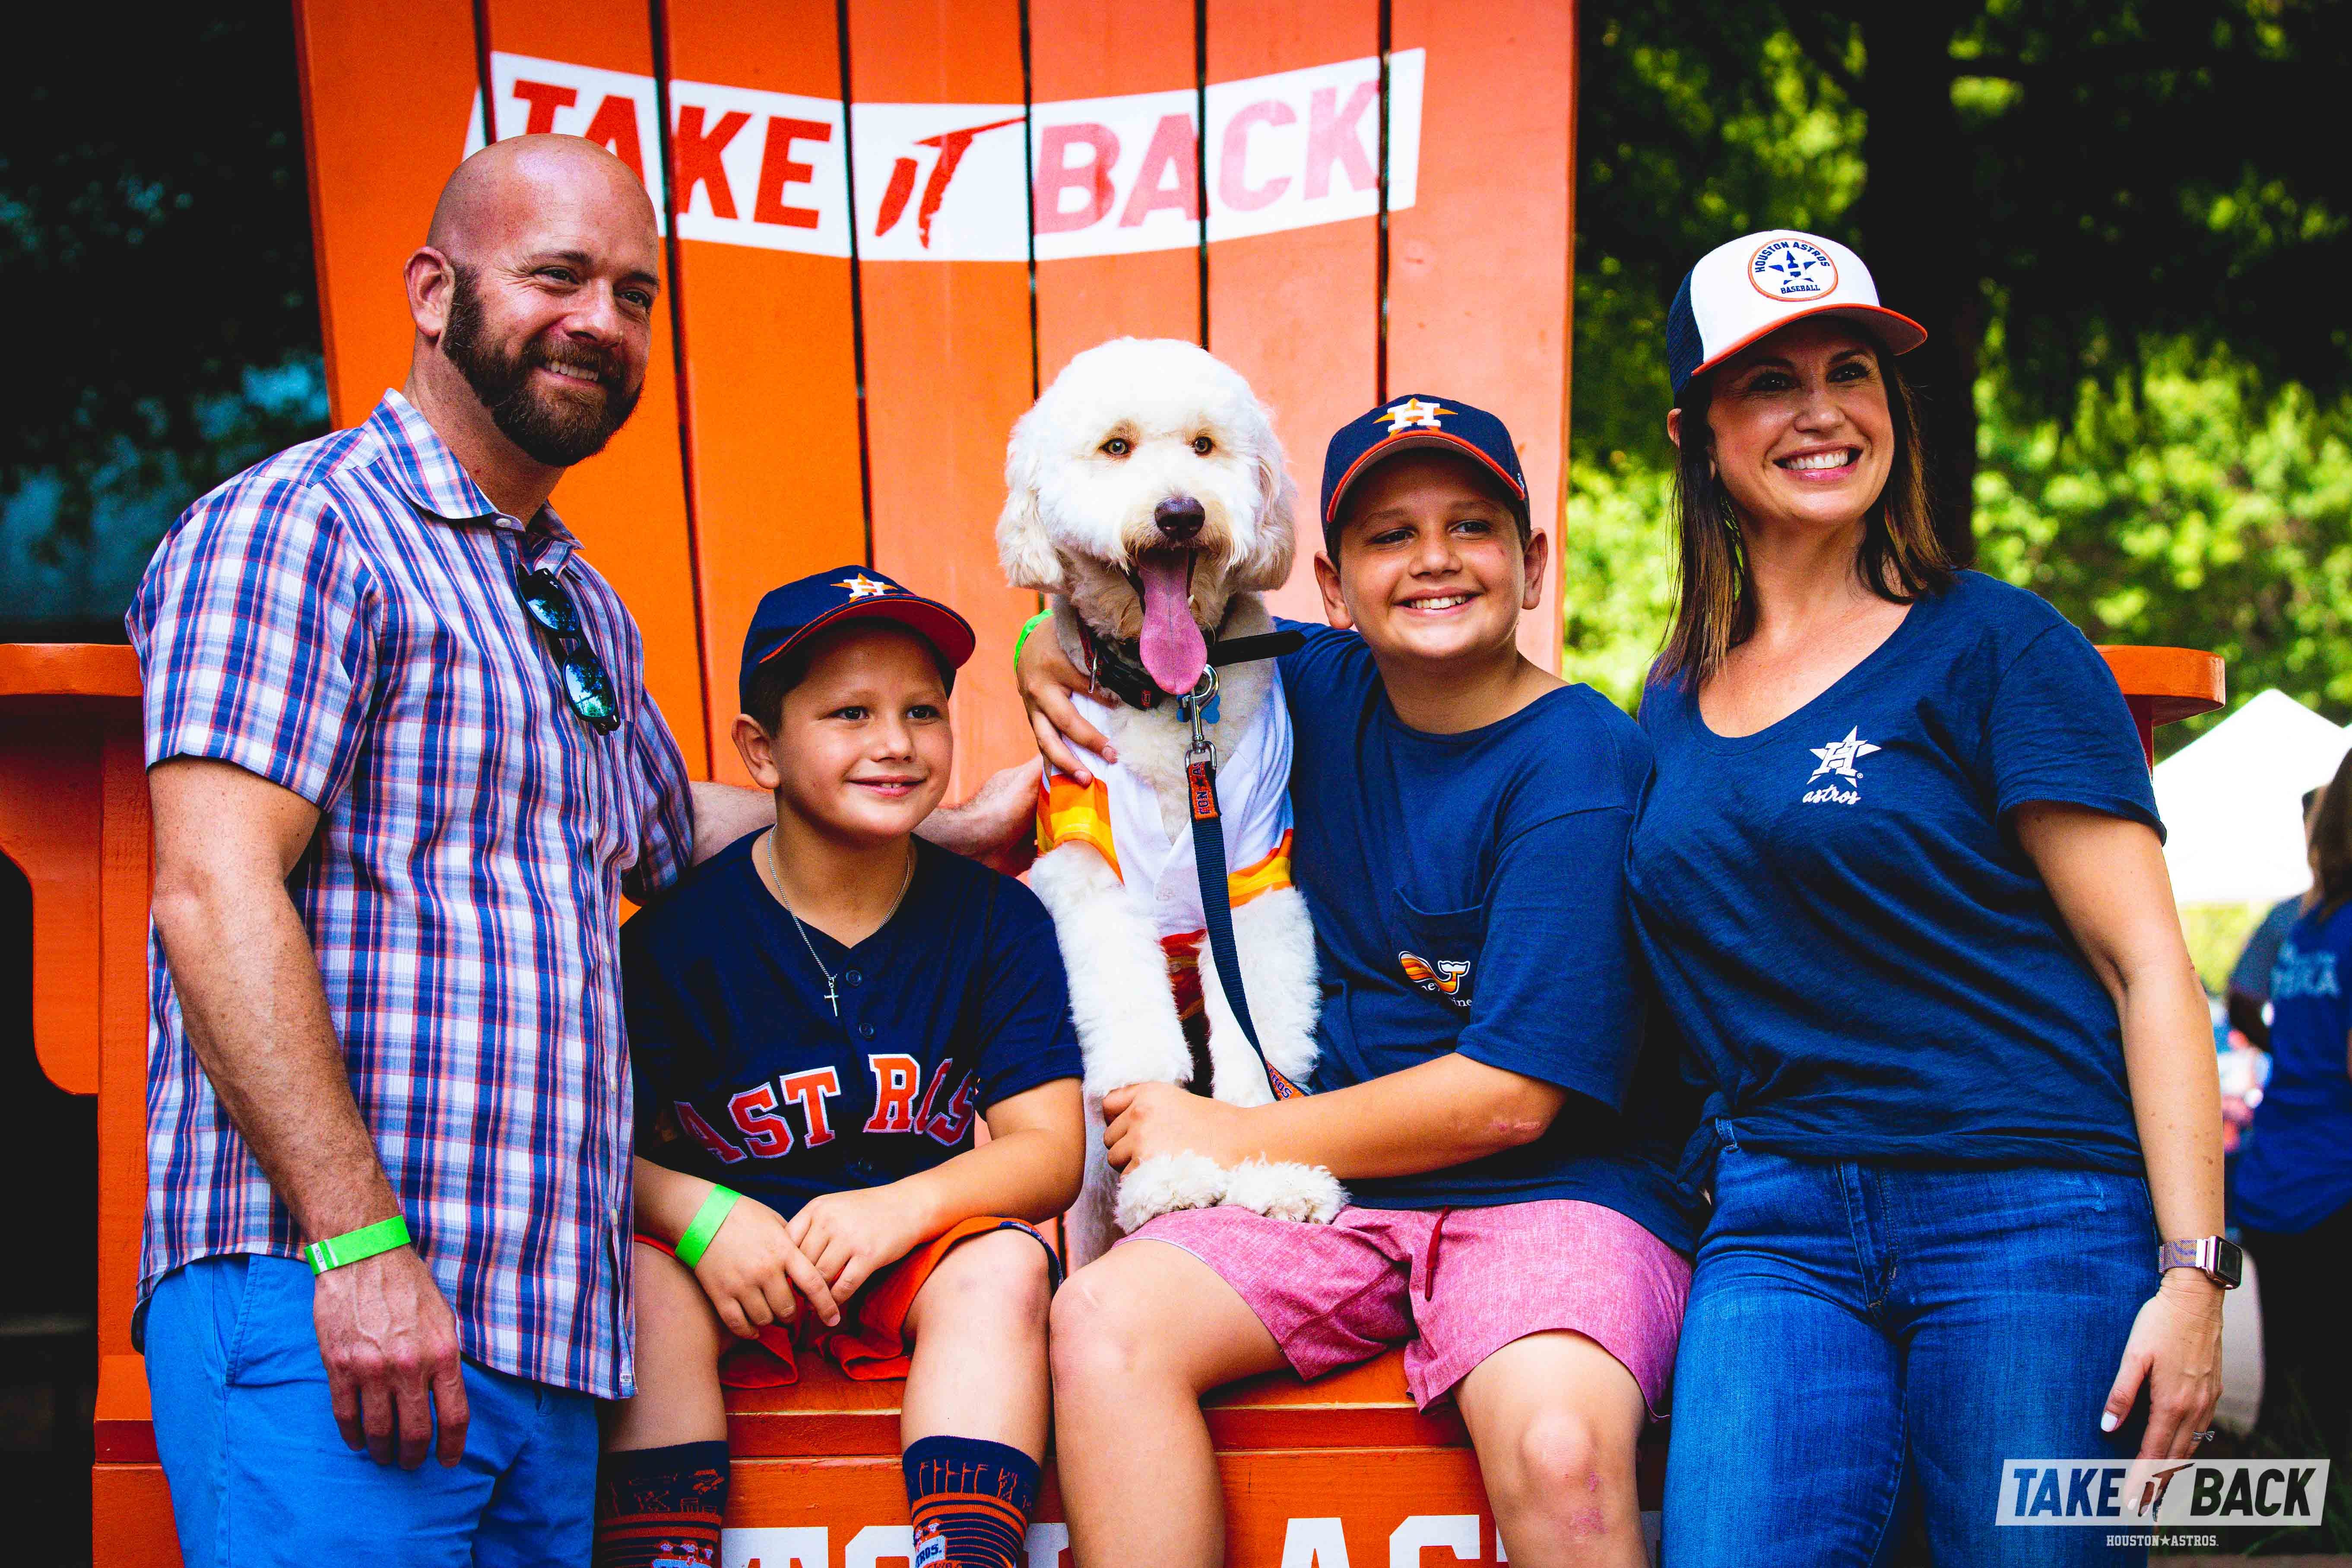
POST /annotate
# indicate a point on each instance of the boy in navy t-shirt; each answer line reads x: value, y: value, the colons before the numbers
x: 816, y: 1018
x: 1461, y: 817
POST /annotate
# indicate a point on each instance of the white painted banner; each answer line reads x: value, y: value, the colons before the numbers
x: 949, y: 182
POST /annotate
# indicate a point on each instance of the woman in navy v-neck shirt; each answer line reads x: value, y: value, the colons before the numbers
x: 1900, y: 880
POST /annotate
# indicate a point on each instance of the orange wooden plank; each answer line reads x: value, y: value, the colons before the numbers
x: 49, y: 826
x: 770, y: 387
x: 2181, y: 681
x: 2164, y: 685
x: 1363, y: 1406
x: 1082, y: 50
x: 1480, y: 264
x: 385, y: 109
x: 628, y: 503
x: 124, y: 1418
x: 130, y: 1517
x: 1302, y: 1506
x: 1281, y: 1506
x: 1386, y: 1505
x: 73, y: 816
x: 67, y: 669
x: 826, y: 1414
x: 940, y: 171
x: 1297, y: 312
x: 126, y: 882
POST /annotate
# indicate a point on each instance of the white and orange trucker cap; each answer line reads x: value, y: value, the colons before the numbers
x: 1760, y: 283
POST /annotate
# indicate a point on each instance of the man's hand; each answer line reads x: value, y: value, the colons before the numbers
x: 852, y: 1235
x: 390, y: 1345
x: 1148, y: 1119
x: 751, y: 1269
x: 997, y: 827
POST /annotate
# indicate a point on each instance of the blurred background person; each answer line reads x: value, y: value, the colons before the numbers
x: 2249, y: 981
x: 2292, y: 1191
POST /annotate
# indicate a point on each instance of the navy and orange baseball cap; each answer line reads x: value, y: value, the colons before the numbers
x: 792, y: 614
x: 1418, y: 422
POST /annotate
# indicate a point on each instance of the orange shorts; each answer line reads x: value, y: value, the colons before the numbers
x: 870, y: 1344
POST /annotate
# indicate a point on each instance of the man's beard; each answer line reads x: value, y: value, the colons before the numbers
x: 550, y: 427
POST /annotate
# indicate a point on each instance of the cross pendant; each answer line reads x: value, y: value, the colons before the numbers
x: 833, y: 995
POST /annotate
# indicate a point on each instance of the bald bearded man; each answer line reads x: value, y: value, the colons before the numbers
x: 403, y: 769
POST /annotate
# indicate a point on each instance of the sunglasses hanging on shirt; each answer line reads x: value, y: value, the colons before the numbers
x: 586, y: 686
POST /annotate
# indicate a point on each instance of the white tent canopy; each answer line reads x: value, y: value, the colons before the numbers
x: 2233, y: 802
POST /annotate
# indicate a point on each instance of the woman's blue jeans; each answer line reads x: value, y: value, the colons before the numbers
x: 1858, y: 1334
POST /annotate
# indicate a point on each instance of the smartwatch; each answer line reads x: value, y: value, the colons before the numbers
x: 2215, y: 1256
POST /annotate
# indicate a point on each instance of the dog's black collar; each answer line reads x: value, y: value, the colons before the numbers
x: 1115, y: 666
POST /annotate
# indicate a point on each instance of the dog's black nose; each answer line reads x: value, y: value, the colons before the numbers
x: 1178, y: 517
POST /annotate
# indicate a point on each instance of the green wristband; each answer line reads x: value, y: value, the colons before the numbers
x: 707, y: 1221
x: 1031, y: 624
x: 353, y: 1245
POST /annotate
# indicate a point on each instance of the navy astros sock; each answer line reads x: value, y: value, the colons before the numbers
x: 969, y: 1500
x: 660, y: 1505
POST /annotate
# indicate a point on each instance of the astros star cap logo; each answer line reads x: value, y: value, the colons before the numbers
x: 789, y: 616
x: 1414, y: 421
x: 1411, y: 412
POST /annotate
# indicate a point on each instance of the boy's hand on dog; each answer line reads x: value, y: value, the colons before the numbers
x: 1047, y: 678
x: 851, y: 1236
x: 1148, y: 1119
x: 751, y: 1269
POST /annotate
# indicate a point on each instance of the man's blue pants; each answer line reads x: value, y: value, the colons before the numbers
x: 260, y: 1474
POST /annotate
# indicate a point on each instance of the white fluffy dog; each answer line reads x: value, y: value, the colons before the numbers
x: 1147, y: 497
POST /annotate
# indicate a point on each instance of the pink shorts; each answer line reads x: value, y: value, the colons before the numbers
x: 1454, y: 1285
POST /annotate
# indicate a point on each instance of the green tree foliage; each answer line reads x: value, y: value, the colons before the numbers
x: 2188, y: 502
x: 155, y: 241
x: 1617, y: 573
x: 1691, y: 133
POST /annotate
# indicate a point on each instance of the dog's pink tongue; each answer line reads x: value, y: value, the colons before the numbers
x: 1171, y: 645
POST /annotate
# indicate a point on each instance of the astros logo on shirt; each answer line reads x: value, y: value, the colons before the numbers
x: 1444, y: 978
x: 1837, y: 758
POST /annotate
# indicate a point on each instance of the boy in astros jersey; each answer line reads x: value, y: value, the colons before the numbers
x: 815, y: 1015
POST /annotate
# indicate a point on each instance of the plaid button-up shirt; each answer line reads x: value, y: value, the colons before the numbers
x: 341, y: 620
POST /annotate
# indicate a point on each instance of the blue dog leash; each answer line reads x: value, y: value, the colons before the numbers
x: 1208, y: 834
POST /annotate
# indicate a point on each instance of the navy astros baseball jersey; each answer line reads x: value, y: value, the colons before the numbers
x: 745, y: 1075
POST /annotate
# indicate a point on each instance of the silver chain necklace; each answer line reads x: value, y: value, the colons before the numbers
x: 776, y: 869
